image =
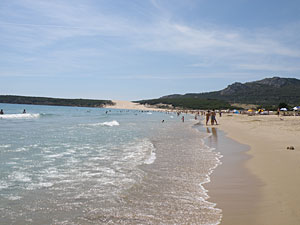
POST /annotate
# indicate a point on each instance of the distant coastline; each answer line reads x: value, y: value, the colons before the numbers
x: 15, y: 99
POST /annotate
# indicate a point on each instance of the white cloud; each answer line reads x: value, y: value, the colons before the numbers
x: 56, y: 21
x: 269, y: 67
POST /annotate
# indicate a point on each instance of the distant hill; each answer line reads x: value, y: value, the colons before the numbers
x: 13, y: 99
x: 266, y: 92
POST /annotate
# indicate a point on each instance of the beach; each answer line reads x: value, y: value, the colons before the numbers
x: 258, y: 181
x: 158, y: 170
x: 277, y: 169
x: 119, y: 104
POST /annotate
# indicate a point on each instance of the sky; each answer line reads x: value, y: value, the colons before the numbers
x: 142, y: 49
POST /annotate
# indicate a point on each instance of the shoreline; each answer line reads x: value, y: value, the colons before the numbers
x: 271, y: 196
x: 231, y: 183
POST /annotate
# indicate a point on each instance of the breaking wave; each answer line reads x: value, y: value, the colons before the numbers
x: 111, y: 123
x: 20, y: 116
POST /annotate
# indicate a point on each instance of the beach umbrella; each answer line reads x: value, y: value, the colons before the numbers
x: 296, y: 108
x: 250, y: 110
x: 283, y: 109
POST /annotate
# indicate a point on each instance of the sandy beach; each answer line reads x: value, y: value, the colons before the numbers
x: 261, y: 178
x: 277, y: 169
x: 130, y: 105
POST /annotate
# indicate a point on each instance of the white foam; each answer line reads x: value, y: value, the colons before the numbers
x: 60, y: 155
x: 20, y: 116
x: 151, y: 159
x: 141, y: 151
x: 109, y: 124
x: 5, y: 146
x: 21, y: 149
x: 39, y: 185
x: 3, y: 185
x: 11, y: 163
x: 20, y: 177
x: 14, y: 198
x: 149, y: 113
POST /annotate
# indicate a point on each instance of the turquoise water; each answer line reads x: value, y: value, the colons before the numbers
x: 71, y: 165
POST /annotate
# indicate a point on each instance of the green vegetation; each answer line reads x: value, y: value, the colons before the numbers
x: 53, y: 101
x: 188, y: 103
x: 267, y: 92
x: 283, y: 105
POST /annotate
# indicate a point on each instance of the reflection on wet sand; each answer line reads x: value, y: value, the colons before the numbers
x: 213, y: 139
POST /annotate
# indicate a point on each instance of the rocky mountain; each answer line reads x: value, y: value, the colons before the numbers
x: 269, y: 91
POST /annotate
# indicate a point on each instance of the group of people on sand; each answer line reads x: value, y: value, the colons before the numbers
x: 212, y: 116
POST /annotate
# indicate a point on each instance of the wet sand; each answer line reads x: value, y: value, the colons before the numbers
x: 235, y: 190
x: 169, y: 192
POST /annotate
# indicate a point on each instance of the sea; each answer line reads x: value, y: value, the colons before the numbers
x: 76, y: 165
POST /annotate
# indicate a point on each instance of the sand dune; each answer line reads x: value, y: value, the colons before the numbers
x: 129, y: 105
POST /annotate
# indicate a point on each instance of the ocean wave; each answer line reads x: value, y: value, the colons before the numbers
x: 111, y: 123
x: 142, y: 151
x: 34, y: 186
x: 19, y: 176
x: 13, y: 198
x: 3, y: 185
x: 108, y: 124
x: 48, y: 114
x: 20, y: 116
x: 5, y: 146
x: 151, y: 156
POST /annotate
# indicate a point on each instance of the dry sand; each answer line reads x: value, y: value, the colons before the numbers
x: 130, y: 105
x: 277, y: 169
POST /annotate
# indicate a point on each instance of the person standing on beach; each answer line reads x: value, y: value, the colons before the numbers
x: 1, y: 112
x: 213, y: 118
x: 207, y: 116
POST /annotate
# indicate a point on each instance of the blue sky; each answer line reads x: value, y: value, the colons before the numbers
x: 140, y: 49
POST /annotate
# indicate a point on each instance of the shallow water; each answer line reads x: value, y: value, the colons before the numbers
x: 69, y: 165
